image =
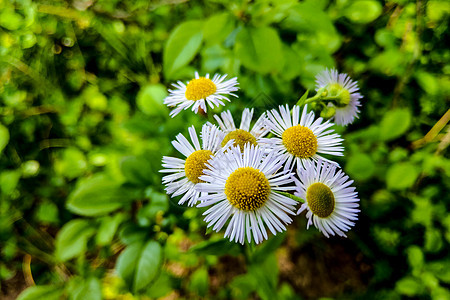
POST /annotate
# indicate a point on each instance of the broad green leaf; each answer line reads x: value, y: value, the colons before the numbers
x: 437, y: 9
x: 360, y: 166
x: 39, y: 292
x: 266, y: 274
x: 217, y: 28
x: 99, y: 195
x: 415, y: 257
x: 214, y: 57
x: 401, y: 176
x: 199, y: 282
x: 107, y: 229
x: 137, y: 170
x: 292, y: 63
x: 161, y: 287
x: 268, y: 247
x: 315, y: 26
x: 72, y: 163
x: 428, y: 82
x: 88, y: 289
x: 138, y: 265
x: 242, y: 286
x: 9, y: 180
x: 72, y: 239
x: 150, y: 100
x: 363, y: 11
x: 408, y: 286
x: 182, y: 45
x: 433, y: 240
x: 131, y: 234
x: 394, y: 124
x: 4, y: 137
x: 260, y: 49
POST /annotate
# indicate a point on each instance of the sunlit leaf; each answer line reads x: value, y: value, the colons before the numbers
x: 182, y: 45
x: 259, y: 49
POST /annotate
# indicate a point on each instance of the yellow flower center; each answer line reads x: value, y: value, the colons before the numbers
x: 200, y: 88
x: 300, y: 141
x: 336, y: 89
x: 195, y: 164
x: 240, y: 137
x: 247, y: 189
x: 320, y: 199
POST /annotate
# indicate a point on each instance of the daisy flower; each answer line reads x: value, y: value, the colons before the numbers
x: 331, y: 203
x: 242, y: 187
x: 200, y: 91
x: 341, y: 85
x: 186, y: 172
x: 243, y: 134
x: 301, y: 139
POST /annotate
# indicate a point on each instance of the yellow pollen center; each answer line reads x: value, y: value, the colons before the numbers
x: 336, y: 89
x: 195, y: 164
x: 300, y: 141
x: 247, y: 189
x: 240, y: 137
x: 320, y: 199
x: 200, y: 88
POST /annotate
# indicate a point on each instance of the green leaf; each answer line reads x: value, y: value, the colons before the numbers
x: 268, y: 247
x: 259, y: 49
x: 107, y: 229
x: 89, y: 289
x: 99, y: 195
x: 72, y: 239
x: 401, y: 176
x: 159, y: 202
x: 9, y: 180
x: 314, y: 24
x: 199, y: 282
x: 266, y: 274
x: 408, y: 286
x: 182, y: 46
x: 218, y: 248
x: 4, y: 137
x: 138, y: 265
x: 137, y: 170
x: 394, y: 124
x: 360, y: 166
x: 242, y: 286
x: 150, y: 100
x: 161, y: 287
x: 39, y: 292
x: 72, y: 163
x: 131, y: 234
x: 433, y: 240
x: 415, y: 257
x: 217, y: 28
x: 363, y: 11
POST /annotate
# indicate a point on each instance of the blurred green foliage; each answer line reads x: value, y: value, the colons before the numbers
x: 83, y: 130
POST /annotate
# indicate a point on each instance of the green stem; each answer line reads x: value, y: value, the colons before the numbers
x: 298, y: 199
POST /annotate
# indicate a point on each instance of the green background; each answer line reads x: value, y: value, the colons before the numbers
x: 83, y: 130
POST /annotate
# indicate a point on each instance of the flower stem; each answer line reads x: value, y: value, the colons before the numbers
x: 298, y: 199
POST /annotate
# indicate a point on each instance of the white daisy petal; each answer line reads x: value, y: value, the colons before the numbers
x: 301, y: 140
x: 184, y: 174
x: 330, y: 78
x: 200, y: 92
x: 327, y: 207
x: 252, y: 204
x: 243, y: 134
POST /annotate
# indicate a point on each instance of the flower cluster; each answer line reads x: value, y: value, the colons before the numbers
x: 252, y: 178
